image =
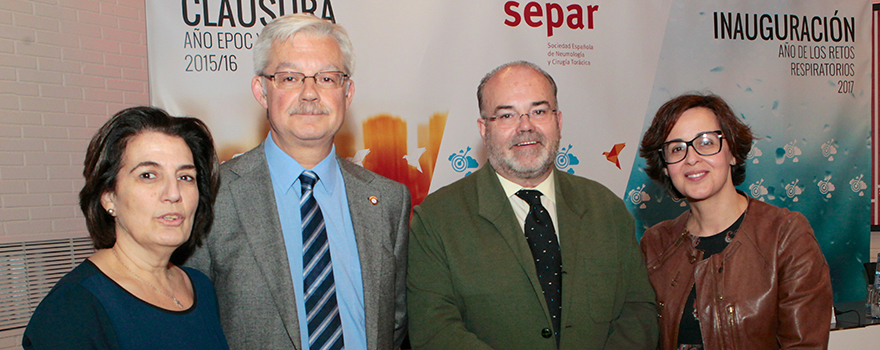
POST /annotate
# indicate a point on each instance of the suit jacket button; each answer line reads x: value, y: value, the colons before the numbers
x: 546, y: 333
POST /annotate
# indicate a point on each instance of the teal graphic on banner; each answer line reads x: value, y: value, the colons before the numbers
x: 565, y: 160
x: 813, y: 148
x: 461, y: 161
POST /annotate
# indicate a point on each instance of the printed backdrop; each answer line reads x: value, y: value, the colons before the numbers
x: 798, y: 72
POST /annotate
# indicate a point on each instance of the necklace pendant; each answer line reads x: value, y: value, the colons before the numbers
x: 177, y: 302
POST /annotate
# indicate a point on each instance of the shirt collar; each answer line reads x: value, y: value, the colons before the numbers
x: 547, y: 187
x: 285, y: 170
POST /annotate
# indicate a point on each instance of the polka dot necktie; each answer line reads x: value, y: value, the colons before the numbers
x: 541, y: 237
x: 322, y: 311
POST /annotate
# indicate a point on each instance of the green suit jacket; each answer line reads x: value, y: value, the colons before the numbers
x: 472, y: 282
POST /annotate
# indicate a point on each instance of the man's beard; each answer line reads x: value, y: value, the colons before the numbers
x: 512, y: 162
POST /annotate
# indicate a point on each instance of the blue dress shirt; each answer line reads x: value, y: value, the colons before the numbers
x: 330, y: 194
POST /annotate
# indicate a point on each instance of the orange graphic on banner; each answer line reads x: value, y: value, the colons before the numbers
x: 386, y: 151
x: 611, y: 156
x: 228, y: 151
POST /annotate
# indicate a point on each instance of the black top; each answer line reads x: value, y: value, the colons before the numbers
x: 689, y: 336
x: 88, y: 310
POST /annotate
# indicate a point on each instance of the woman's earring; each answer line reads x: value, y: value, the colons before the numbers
x: 111, y: 212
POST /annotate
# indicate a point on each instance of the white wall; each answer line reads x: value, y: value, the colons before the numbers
x: 65, y: 67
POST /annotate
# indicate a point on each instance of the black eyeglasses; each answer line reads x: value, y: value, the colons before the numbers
x: 295, y: 80
x: 705, y: 144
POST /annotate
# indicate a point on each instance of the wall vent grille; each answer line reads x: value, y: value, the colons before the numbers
x: 28, y: 270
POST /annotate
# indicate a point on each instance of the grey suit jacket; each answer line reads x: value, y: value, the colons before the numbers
x: 245, y: 256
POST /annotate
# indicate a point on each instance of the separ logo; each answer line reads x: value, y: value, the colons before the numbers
x: 552, y: 15
x: 460, y: 161
x: 565, y: 159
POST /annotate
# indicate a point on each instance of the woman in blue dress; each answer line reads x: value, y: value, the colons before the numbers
x: 150, y: 184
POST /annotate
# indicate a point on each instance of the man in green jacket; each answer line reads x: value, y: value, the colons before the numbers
x: 519, y: 255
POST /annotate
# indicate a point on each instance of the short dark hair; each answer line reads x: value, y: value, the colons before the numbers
x: 104, y: 159
x: 737, y: 135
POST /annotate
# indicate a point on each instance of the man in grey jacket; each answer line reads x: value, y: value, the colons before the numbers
x: 308, y: 250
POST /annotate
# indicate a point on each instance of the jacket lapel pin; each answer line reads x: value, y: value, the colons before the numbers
x: 374, y: 200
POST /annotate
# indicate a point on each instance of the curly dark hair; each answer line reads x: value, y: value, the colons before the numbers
x: 104, y: 159
x: 737, y: 135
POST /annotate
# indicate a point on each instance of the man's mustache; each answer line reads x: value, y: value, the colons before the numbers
x: 309, y: 108
x: 527, y: 136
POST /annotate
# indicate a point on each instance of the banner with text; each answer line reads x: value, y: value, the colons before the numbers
x: 797, y: 71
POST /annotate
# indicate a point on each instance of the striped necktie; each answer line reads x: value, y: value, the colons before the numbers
x: 324, y: 323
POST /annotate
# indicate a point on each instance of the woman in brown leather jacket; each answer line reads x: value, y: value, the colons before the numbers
x: 732, y: 272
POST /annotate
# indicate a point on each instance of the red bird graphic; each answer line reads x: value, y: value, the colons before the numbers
x: 612, y: 155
